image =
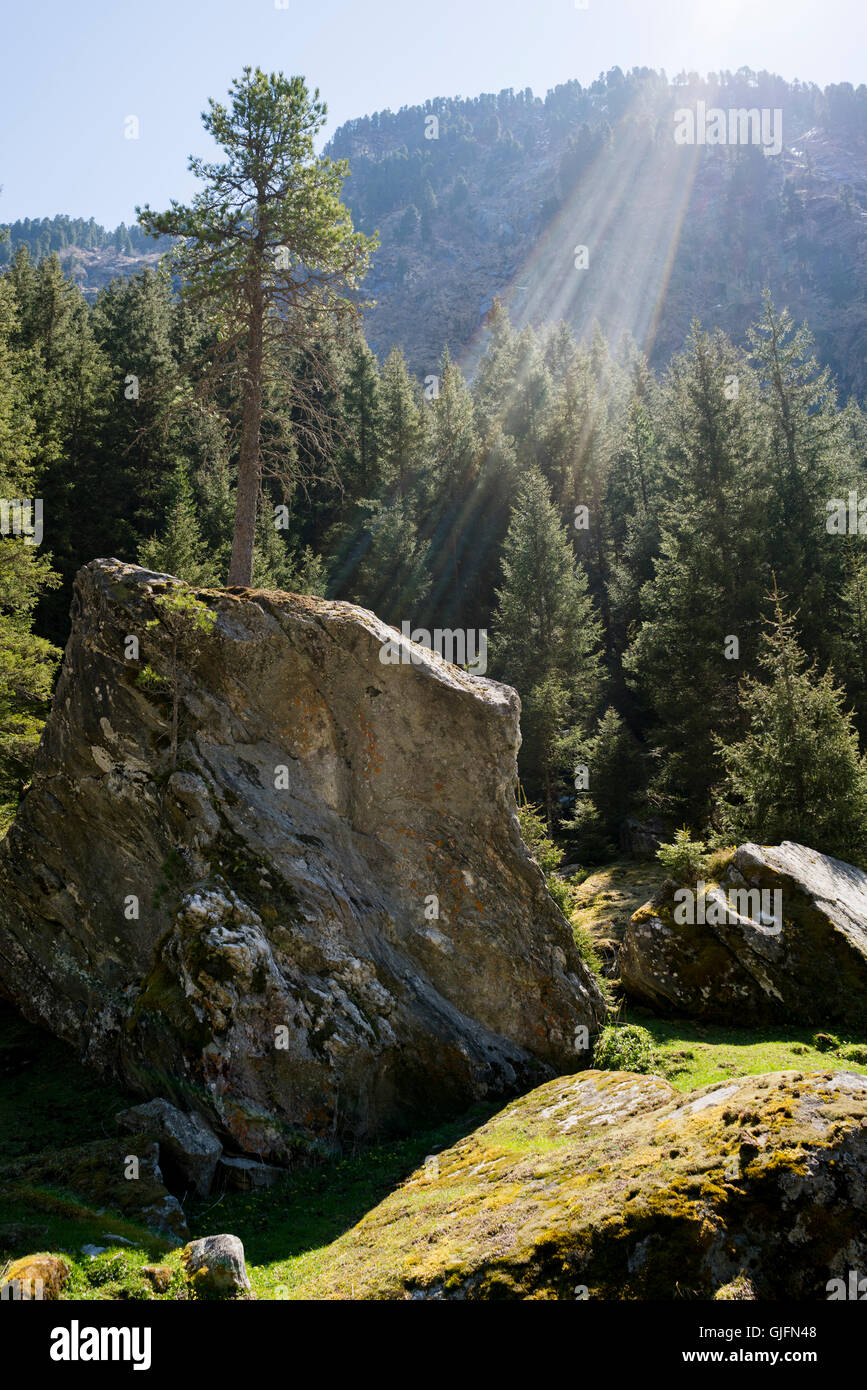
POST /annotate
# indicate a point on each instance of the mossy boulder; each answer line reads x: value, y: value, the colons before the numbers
x: 779, y: 936
x: 35, y: 1277
x: 215, y: 1266
x: 613, y: 1185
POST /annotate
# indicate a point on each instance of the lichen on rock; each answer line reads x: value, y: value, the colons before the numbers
x: 613, y: 1185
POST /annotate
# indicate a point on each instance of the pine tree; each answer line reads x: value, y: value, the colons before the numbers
x: 710, y: 574
x: 402, y: 426
x: 180, y: 550
x: 361, y: 464
x: 494, y: 381
x: 611, y: 788
x: 798, y: 773
x: 453, y: 456
x: 810, y: 462
x: 269, y: 248
x: 65, y: 378
x: 385, y: 567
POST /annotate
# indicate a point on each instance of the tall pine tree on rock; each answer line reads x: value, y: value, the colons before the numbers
x: 269, y: 248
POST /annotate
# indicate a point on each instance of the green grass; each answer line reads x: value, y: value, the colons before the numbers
x: 695, y: 1054
x: 287, y: 1230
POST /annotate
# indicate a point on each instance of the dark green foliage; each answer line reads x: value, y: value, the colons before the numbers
x: 797, y: 773
x: 615, y: 776
x: 545, y: 637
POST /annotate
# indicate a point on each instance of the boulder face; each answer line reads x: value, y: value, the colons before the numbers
x: 781, y: 936
x: 317, y: 920
x: 185, y: 1142
x: 615, y: 1186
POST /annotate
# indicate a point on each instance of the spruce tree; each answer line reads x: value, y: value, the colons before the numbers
x: 810, y: 462
x: 361, y: 464
x: 27, y: 662
x: 402, y: 426
x: 180, y: 550
x: 701, y: 611
x: 545, y: 637
x: 452, y: 503
x: 797, y: 774
x: 608, y: 787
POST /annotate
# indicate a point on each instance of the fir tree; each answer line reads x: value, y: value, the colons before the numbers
x: 798, y: 773
x: 545, y: 636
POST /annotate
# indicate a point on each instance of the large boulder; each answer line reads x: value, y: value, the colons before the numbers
x: 187, y: 1145
x: 318, y: 919
x: 612, y: 1185
x: 780, y: 936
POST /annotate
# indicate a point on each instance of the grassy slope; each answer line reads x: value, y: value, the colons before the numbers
x: 48, y: 1101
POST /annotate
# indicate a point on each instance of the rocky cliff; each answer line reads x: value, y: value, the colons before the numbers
x: 266, y: 875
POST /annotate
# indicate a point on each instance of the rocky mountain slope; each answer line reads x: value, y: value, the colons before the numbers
x: 512, y: 186
x: 490, y: 196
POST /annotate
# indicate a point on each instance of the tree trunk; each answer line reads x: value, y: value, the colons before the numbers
x: 247, y: 497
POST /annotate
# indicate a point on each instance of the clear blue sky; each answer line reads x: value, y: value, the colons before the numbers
x: 71, y: 73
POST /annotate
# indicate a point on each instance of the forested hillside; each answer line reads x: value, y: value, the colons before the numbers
x: 398, y: 545
x: 616, y: 531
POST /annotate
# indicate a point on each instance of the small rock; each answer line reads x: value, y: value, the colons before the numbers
x: 36, y: 1276
x: 215, y: 1265
x: 159, y: 1276
x: 166, y: 1218
x: 93, y: 1250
